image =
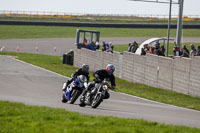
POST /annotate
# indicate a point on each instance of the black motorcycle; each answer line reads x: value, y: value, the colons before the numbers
x: 94, y: 97
x: 74, y: 90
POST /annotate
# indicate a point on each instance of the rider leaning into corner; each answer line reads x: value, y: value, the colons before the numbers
x: 99, y: 76
x: 84, y: 70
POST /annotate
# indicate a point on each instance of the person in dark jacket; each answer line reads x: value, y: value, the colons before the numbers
x: 193, y: 50
x: 84, y: 70
x: 100, y: 75
x: 135, y: 47
x: 184, y: 52
x: 198, y: 51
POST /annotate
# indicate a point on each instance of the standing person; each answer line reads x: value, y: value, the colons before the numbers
x: 84, y: 70
x: 135, y: 47
x: 198, y: 51
x: 193, y: 50
x: 184, y: 51
x: 130, y: 47
x: 162, y: 50
x: 176, y: 50
x: 100, y: 75
x: 110, y: 47
x: 104, y: 46
x: 85, y: 41
x: 97, y: 45
x: 158, y: 43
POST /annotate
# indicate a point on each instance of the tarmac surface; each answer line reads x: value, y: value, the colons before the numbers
x: 59, y: 46
x: 23, y: 82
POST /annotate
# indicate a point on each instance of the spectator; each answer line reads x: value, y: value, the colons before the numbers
x: 176, y: 50
x: 198, y: 51
x: 104, y: 46
x: 135, y: 47
x: 112, y: 47
x: 89, y: 46
x: 97, y: 45
x: 150, y: 49
x: 162, y: 50
x: 193, y: 50
x: 158, y: 43
x: 130, y: 47
x: 144, y: 49
x: 156, y: 49
x: 109, y: 47
x: 184, y: 52
x: 85, y: 41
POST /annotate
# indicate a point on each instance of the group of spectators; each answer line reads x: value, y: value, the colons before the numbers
x: 156, y: 49
x: 184, y: 52
x: 132, y: 47
x: 108, y: 47
x: 160, y: 50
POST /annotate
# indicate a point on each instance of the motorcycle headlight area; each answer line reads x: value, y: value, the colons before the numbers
x: 105, y: 87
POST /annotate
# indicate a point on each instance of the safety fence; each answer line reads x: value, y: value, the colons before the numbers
x: 179, y: 74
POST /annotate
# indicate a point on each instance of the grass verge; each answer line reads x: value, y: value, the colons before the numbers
x: 25, y: 32
x: 54, y: 63
x: 19, y: 118
x: 98, y: 19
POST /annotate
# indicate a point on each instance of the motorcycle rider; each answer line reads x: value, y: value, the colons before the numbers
x: 84, y: 70
x: 100, y: 75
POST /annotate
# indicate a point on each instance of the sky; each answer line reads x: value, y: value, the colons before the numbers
x: 127, y: 7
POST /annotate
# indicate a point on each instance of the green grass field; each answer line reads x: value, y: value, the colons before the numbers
x: 25, y: 32
x: 19, y: 118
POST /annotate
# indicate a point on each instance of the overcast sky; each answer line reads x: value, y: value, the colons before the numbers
x: 191, y: 7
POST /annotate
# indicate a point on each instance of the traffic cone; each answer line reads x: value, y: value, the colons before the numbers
x: 36, y: 49
x: 17, y: 48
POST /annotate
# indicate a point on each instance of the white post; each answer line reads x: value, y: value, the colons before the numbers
x: 179, y: 23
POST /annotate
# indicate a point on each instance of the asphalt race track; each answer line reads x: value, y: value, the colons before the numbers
x: 22, y: 82
x: 59, y: 46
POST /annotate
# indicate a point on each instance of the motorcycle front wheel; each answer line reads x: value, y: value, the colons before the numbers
x: 63, y: 99
x: 97, y: 100
x: 82, y: 102
x: 74, y: 96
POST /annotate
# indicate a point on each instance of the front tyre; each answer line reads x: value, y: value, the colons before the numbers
x: 82, y: 102
x: 97, y: 100
x: 74, y: 96
x: 63, y: 99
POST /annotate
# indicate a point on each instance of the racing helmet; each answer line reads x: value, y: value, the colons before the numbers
x: 85, y: 68
x: 110, y: 69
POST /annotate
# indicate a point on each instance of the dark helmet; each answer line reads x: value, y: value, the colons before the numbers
x: 110, y: 69
x: 85, y: 68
